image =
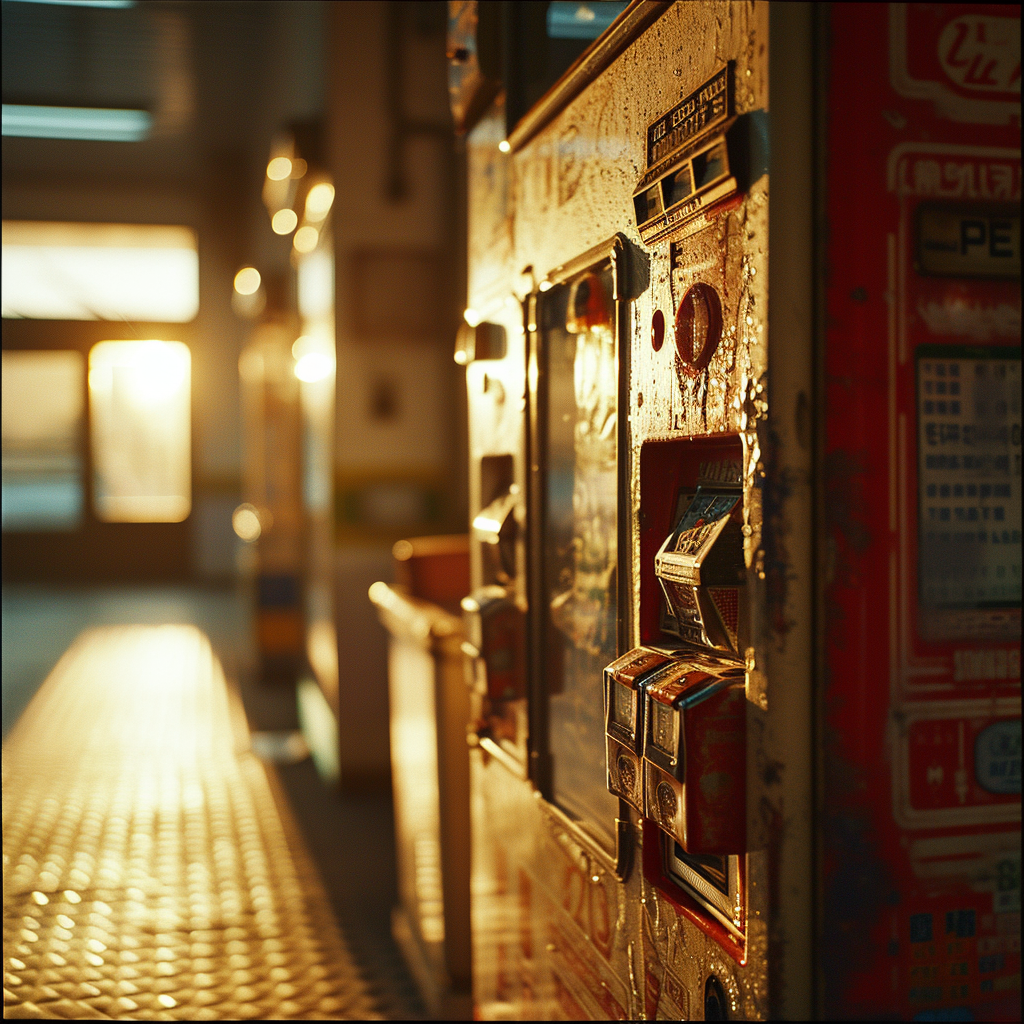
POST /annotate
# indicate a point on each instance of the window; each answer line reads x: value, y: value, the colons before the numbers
x: 43, y: 422
x: 140, y: 411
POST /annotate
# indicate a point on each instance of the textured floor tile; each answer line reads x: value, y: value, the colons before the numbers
x: 151, y: 868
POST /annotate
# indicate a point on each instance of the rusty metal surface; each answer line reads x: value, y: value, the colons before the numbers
x: 556, y: 934
x: 151, y: 867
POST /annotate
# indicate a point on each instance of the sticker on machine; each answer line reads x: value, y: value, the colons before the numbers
x: 965, y: 61
x: 957, y: 763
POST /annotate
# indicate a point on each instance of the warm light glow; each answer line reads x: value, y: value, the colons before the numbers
x: 486, y: 525
x: 152, y: 371
x: 140, y: 411
x: 314, y: 358
x: 504, y: 146
x: 298, y: 167
x: 306, y: 238
x: 545, y: 286
x: 472, y: 317
x: 67, y: 271
x: 314, y: 366
x: 245, y: 521
x: 316, y: 285
x: 284, y: 221
x: 322, y: 651
x: 247, y: 281
x: 279, y: 168
x: 319, y: 200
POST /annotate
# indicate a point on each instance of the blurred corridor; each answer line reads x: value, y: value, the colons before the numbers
x: 169, y: 452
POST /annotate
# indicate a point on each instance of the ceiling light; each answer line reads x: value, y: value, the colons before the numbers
x: 99, y: 124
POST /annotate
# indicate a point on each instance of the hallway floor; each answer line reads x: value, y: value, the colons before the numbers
x: 350, y: 838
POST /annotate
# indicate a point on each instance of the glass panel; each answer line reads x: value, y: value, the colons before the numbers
x: 648, y: 204
x: 140, y: 405
x: 136, y: 272
x: 664, y: 721
x: 968, y: 241
x: 709, y: 166
x: 580, y: 538
x: 623, y: 707
x: 677, y: 186
x: 704, y: 511
x: 968, y: 423
x: 577, y: 20
x: 43, y: 419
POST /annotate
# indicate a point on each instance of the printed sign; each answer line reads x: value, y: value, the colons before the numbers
x: 957, y: 241
x: 703, y: 109
x: 997, y: 757
x: 969, y: 467
x: 966, y: 62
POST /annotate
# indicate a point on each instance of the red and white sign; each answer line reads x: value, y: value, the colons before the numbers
x: 968, y: 64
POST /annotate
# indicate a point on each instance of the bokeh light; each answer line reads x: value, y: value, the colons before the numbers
x: 245, y: 521
x: 284, y: 221
x: 319, y: 200
x: 279, y: 168
x: 306, y: 239
x: 247, y: 281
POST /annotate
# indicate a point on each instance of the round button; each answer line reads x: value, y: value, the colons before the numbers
x: 698, y: 328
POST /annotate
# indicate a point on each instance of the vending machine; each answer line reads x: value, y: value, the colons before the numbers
x: 919, y: 695
x: 743, y: 368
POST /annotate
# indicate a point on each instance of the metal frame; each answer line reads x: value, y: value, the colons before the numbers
x: 611, y: 252
x: 789, y: 735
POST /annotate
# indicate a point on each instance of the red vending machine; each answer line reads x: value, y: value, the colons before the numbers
x: 921, y: 514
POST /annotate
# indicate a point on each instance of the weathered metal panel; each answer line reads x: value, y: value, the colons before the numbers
x: 563, y: 928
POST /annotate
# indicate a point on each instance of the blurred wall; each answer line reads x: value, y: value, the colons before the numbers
x: 399, y: 452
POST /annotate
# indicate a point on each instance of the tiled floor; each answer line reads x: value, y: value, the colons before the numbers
x: 112, y: 825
